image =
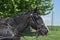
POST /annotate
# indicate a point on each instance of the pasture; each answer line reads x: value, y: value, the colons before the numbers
x: 54, y: 34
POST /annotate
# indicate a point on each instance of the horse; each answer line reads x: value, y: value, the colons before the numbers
x: 15, y: 26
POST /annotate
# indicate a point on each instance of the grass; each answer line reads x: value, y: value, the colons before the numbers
x: 54, y: 34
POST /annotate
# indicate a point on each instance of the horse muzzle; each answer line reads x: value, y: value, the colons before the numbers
x: 43, y: 32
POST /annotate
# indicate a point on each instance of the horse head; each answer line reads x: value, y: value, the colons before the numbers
x: 38, y: 24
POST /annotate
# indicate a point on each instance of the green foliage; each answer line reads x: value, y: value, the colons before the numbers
x: 12, y: 7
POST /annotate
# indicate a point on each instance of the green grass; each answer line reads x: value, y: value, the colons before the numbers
x: 54, y: 34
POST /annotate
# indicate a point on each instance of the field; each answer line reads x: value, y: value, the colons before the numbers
x: 54, y: 34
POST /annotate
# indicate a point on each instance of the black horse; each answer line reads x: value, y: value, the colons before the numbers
x: 11, y: 28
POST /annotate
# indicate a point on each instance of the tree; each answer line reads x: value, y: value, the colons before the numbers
x: 12, y: 7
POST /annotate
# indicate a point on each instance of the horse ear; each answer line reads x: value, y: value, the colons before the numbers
x: 36, y: 10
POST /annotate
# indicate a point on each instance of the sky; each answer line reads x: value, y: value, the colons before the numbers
x: 56, y: 14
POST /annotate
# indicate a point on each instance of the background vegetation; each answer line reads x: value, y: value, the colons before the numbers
x: 12, y: 7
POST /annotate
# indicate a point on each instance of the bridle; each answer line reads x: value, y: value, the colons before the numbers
x: 34, y: 20
x: 37, y: 33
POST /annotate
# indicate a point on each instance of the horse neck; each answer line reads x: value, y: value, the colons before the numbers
x: 22, y: 22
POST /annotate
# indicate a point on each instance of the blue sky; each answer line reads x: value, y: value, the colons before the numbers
x: 56, y: 15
